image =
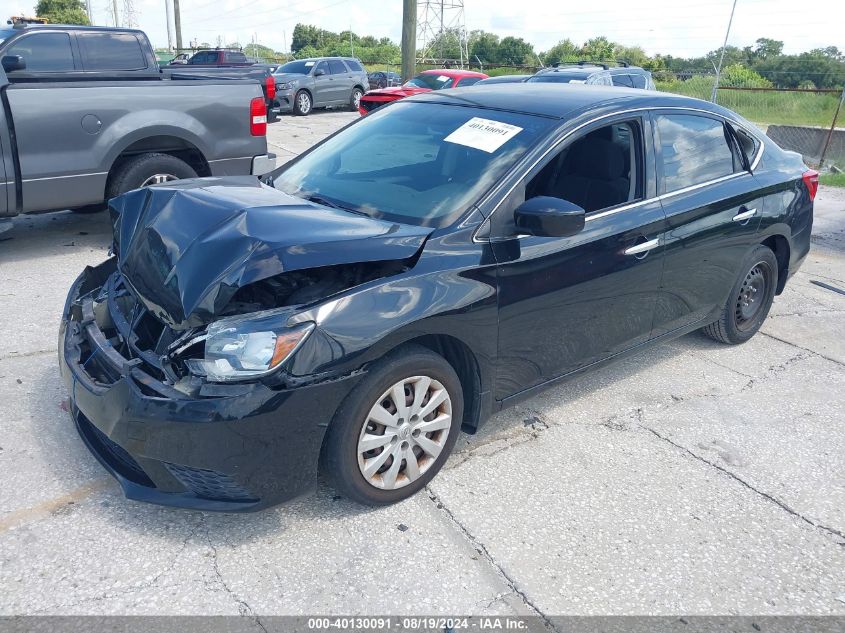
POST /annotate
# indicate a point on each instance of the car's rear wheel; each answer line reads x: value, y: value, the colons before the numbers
x: 355, y: 99
x: 302, y: 103
x: 394, y: 432
x: 145, y: 170
x: 750, y: 300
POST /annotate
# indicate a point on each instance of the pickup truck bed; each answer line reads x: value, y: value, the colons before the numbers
x: 74, y: 138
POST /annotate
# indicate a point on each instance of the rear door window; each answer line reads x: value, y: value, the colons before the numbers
x: 111, y: 51
x: 336, y: 67
x: 234, y: 57
x: 693, y: 150
x: 44, y: 52
x: 622, y: 80
x: 468, y: 81
x: 639, y: 81
x: 204, y: 57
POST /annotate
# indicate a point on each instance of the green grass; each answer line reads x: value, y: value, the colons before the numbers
x: 833, y: 180
x: 763, y: 107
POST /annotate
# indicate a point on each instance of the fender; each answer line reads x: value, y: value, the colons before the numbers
x: 135, y: 127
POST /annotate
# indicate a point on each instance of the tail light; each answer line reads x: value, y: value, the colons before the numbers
x: 811, y: 179
x: 258, y: 117
x: 271, y: 87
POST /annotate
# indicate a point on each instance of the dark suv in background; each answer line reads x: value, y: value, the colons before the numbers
x: 596, y: 73
x: 305, y: 84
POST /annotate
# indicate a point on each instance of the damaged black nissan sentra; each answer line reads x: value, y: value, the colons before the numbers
x: 443, y: 257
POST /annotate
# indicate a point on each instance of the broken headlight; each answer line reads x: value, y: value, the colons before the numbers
x: 238, y: 349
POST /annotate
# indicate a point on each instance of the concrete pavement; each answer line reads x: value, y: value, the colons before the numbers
x: 693, y: 478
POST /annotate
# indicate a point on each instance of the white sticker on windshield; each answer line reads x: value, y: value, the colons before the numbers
x: 483, y: 134
x: 309, y: 64
x: 577, y: 81
x: 443, y: 78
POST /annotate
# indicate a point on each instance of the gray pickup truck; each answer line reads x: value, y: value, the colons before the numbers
x: 86, y: 114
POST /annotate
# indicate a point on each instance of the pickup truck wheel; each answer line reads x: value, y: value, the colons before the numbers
x: 355, y: 100
x: 396, y: 429
x: 302, y: 103
x: 146, y: 170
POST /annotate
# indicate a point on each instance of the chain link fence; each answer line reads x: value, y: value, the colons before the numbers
x: 808, y: 121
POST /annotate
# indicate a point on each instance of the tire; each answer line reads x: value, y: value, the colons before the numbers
x: 302, y: 104
x: 139, y: 171
x: 90, y: 208
x: 408, y: 369
x: 355, y: 99
x: 750, y: 300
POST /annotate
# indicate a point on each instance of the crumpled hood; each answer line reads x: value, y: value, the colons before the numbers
x: 186, y: 247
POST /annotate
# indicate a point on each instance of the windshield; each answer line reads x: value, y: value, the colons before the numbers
x: 6, y: 34
x: 414, y: 163
x: 299, y: 67
x: 431, y: 81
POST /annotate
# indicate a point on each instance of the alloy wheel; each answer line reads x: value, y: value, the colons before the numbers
x: 157, y: 179
x: 356, y: 98
x: 752, y: 296
x: 404, y: 432
x: 304, y: 103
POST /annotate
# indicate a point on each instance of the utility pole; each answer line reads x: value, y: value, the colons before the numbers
x: 88, y: 10
x: 442, y: 34
x: 409, y: 39
x: 722, y: 56
x: 114, y: 11
x: 177, y: 22
x: 169, y: 18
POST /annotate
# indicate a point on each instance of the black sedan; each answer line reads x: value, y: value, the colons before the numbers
x: 384, y: 79
x: 440, y: 259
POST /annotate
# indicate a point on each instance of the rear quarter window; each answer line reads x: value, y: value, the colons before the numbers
x: 354, y: 66
x: 111, y: 51
x: 234, y: 57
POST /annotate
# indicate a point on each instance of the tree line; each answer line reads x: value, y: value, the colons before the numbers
x: 762, y: 64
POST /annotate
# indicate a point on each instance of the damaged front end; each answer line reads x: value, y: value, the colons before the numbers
x: 174, y: 356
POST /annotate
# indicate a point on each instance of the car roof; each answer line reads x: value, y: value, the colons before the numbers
x: 22, y: 28
x: 585, y: 70
x: 453, y: 72
x: 563, y: 101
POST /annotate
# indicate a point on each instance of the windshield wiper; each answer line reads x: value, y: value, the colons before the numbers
x: 331, y: 202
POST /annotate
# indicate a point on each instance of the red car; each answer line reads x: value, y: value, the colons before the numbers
x: 426, y: 81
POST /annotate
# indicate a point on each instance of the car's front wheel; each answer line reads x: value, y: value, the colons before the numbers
x: 355, y: 99
x: 302, y: 103
x: 394, y: 432
x: 750, y: 299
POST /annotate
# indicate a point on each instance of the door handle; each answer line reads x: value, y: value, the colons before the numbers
x: 742, y: 216
x: 644, y: 247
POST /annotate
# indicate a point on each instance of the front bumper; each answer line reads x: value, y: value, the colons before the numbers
x: 283, y: 101
x: 246, y: 447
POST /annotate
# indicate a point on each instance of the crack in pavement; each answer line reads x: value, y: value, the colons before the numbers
x: 806, y: 349
x: 479, y: 547
x: 771, y: 498
x: 244, y: 608
x: 37, y: 352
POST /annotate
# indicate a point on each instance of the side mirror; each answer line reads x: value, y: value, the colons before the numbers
x: 12, y: 63
x: 319, y: 72
x: 549, y: 217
